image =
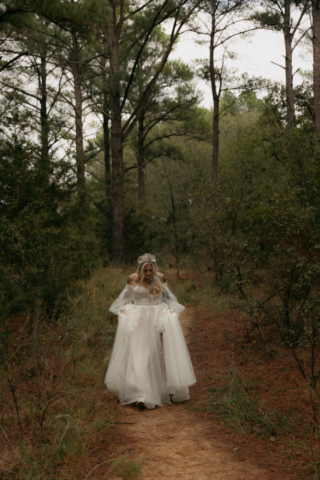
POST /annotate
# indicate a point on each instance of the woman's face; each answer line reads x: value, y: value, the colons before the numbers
x: 148, y: 272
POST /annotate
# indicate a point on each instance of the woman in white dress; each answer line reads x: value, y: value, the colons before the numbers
x: 150, y: 360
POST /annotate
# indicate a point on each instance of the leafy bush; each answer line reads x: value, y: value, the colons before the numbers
x: 41, y: 257
x: 55, y: 408
x: 46, y: 239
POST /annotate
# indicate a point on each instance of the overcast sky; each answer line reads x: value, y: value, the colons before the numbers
x: 254, y: 56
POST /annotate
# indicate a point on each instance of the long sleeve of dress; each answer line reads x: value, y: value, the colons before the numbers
x: 124, y: 298
x: 171, y: 300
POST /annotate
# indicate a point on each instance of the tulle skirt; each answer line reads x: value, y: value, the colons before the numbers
x: 150, y: 359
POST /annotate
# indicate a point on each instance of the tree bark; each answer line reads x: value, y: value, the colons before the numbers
x: 175, y: 243
x: 140, y: 159
x: 289, y: 72
x: 106, y: 130
x: 117, y: 240
x: 216, y: 139
x: 45, y: 167
x: 106, y: 142
x: 76, y: 72
x: 216, y: 97
x: 316, y: 72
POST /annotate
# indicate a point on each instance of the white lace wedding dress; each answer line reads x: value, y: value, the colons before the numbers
x: 150, y: 360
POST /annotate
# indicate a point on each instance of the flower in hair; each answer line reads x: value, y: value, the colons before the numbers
x: 147, y: 258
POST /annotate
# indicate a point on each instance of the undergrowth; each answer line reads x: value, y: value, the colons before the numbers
x: 238, y: 404
x: 56, y: 417
x: 201, y: 290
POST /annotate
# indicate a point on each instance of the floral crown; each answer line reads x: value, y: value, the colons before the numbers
x: 147, y: 258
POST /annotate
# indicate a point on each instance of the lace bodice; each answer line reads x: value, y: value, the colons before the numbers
x: 140, y: 295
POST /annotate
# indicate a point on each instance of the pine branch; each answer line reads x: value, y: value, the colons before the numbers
x: 131, y: 121
x: 3, y: 67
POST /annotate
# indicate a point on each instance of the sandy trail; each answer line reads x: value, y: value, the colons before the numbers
x: 173, y: 443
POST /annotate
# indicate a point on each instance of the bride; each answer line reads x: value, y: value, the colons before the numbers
x: 150, y: 360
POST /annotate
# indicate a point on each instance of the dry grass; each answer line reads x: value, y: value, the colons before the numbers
x: 241, y: 386
x: 253, y: 395
x: 200, y: 289
x: 55, y: 376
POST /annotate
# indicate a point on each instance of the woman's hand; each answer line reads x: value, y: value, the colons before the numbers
x: 123, y: 312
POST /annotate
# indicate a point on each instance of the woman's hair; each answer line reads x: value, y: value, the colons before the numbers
x: 155, y: 284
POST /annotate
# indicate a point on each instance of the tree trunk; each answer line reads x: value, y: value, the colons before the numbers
x: 45, y: 167
x: 140, y: 159
x: 216, y: 98
x: 216, y: 139
x: 289, y: 73
x: 106, y: 142
x: 316, y: 72
x: 76, y: 69
x: 117, y: 241
x: 175, y: 244
x: 106, y: 131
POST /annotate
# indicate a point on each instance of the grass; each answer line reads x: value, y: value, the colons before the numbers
x: 201, y: 291
x: 236, y: 403
x: 51, y: 381
x: 54, y: 382
x: 122, y: 467
x: 125, y: 468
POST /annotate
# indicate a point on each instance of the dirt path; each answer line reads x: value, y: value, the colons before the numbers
x: 173, y: 443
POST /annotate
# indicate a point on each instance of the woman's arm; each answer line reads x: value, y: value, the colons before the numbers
x: 132, y: 279
x: 162, y: 277
x: 125, y: 297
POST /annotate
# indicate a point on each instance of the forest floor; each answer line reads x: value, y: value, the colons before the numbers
x: 182, y: 441
x: 249, y: 415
